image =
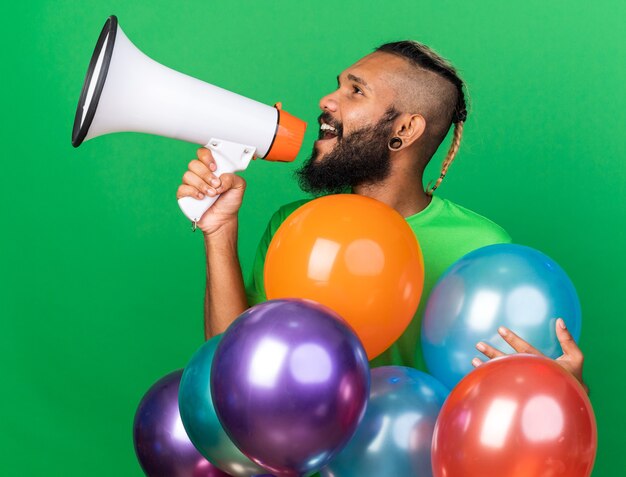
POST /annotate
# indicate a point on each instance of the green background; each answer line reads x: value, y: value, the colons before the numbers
x: 102, y: 280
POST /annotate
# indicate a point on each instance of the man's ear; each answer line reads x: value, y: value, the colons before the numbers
x: 409, y: 128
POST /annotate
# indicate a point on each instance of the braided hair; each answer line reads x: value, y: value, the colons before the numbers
x: 423, y: 57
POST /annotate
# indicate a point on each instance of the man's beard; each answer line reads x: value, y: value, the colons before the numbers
x: 362, y: 157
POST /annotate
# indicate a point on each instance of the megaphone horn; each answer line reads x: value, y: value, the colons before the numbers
x: 125, y: 90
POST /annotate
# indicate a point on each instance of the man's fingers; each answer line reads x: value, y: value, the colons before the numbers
x: 568, y: 345
x: 206, y: 157
x: 188, y: 191
x: 203, y: 172
x: 191, y: 179
x: 476, y: 362
x: 517, y: 343
x: 230, y: 181
x: 194, y: 186
x: 488, y: 350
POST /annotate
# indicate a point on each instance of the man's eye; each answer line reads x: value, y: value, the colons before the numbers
x: 357, y: 90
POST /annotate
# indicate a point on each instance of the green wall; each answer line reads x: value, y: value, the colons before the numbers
x: 101, y: 278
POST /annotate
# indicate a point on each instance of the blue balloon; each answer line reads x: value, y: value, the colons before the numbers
x: 394, y: 437
x: 200, y: 420
x: 498, y: 285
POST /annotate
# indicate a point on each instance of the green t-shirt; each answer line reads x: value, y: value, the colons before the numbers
x: 445, y: 232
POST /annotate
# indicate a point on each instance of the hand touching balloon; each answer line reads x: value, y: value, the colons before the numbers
x: 571, y: 360
x: 502, y: 285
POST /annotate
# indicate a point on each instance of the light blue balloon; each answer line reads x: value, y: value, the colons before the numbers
x: 200, y: 420
x: 498, y: 285
x: 394, y: 438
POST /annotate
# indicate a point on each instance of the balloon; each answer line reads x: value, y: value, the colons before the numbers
x: 498, y: 285
x: 394, y: 438
x: 161, y: 444
x: 519, y: 415
x: 200, y: 420
x: 290, y: 382
x: 355, y: 255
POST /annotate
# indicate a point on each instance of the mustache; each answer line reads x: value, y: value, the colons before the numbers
x: 328, y: 119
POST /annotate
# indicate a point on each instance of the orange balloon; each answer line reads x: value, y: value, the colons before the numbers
x: 355, y: 255
x: 516, y: 416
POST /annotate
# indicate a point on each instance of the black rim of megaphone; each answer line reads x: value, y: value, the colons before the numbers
x: 79, y: 131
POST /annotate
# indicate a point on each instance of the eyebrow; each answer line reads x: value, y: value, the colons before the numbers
x: 356, y: 79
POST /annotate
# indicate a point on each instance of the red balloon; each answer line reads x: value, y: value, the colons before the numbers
x: 516, y: 416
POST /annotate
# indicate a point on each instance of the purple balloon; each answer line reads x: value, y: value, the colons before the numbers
x: 161, y: 443
x: 290, y: 382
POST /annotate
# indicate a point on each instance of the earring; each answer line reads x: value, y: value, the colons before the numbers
x: 395, y: 143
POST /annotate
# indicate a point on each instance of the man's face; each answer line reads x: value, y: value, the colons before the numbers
x: 355, y: 127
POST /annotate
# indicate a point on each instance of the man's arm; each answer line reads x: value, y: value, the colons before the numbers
x: 225, y: 297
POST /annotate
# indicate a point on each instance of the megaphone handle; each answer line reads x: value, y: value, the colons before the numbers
x: 229, y: 157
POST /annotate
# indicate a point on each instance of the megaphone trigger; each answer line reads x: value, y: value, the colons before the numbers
x: 229, y: 157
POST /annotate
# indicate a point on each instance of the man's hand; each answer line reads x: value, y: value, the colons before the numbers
x: 200, y: 181
x: 571, y: 359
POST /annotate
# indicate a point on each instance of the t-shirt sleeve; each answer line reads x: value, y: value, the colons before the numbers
x: 493, y: 233
x: 255, y: 286
x: 479, y: 231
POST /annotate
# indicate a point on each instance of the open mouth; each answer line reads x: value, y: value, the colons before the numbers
x: 327, y: 131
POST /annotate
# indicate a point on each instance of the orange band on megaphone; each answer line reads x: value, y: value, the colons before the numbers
x: 288, y: 139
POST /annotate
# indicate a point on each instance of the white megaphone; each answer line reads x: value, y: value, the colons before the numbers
x: 124, y: 90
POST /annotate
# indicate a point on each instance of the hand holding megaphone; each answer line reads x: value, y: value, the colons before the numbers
x: 228, y: 157
x: 124, y: 90
x: 200, y: 181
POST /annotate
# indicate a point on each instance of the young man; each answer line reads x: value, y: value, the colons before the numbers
x: 378, y: 131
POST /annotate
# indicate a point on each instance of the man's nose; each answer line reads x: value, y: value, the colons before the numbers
x: 329, y: 103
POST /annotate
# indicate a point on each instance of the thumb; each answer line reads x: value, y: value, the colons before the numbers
x: 230, y: 181
x: 568, y: 345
